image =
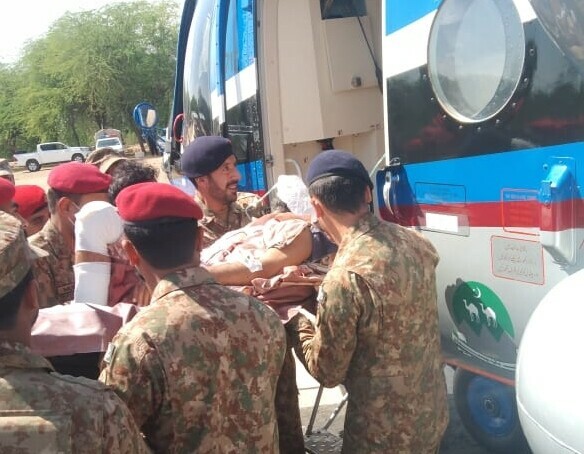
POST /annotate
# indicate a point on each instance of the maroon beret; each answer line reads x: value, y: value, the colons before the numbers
x: 6, y: 191
x: 149, y: 201
x: 30, y: 198
x: 77, y: 178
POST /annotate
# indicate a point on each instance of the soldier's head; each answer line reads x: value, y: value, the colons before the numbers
x: 8, y: 203
x: 160, y: 223
x: 210, y: 164
x: 105, y: 159
x: 339, y: 187
x: 6, y: 171
x: 71, y: 186
x: 18, y: 292
x: 128, y: 173
x: 7, y: 191
x: 31, y: 204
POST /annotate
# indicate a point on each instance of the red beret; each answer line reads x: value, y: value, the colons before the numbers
x: 149, y: 201
x: 29, y: 198
x: 6, y: 191
x: 77, y: 178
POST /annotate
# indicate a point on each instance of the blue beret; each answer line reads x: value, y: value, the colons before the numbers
x: 204, y: 155
x: 337, y: 163
x: 150, y: 201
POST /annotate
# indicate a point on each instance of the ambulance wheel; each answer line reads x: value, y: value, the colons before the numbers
x: 488, y: 410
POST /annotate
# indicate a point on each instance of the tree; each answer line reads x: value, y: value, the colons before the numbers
x: 89, y: 71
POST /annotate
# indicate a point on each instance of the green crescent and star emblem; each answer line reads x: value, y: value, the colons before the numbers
x: 481, y: 308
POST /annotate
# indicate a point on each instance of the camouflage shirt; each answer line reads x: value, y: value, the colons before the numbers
x: 240, y: 214
x: 54, y: 273
x: 198, y: 367
x: 43, y: 411
x: 377, y: 332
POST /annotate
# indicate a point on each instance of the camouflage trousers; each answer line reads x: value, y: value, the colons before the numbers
x: 287, y: 407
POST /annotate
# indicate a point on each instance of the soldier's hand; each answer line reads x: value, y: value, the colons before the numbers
x: 97, y: 224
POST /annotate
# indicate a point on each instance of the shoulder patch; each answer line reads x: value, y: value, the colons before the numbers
x: 109, y: 353
x: 321, y: 297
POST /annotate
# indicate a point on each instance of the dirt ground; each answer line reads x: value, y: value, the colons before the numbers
x: 23, y: 176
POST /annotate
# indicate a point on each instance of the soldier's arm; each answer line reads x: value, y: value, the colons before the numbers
x: 251, y: 204
x: 121, y: 433
x: 273, y: 261
x: 45, y: 281
x: 327, y: 348
x: 133, y: 369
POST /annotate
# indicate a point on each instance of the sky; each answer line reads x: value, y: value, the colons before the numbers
x: 24, y: 20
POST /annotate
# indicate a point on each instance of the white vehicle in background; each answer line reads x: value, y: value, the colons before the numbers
x: 50, y: 153
x: 115, y: 143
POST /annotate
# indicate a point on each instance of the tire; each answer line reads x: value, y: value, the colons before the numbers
x: 78, y: 157
x: 33, y: 165
x: 488, y: 410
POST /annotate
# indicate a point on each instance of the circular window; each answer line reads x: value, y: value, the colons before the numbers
x: 476, y: 54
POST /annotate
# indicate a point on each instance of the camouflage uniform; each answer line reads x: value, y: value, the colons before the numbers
x: 377, y: 332
x: 288, y: 407
x: 198, y: 367
x: 213, y: 227
x: 54, y: 273
x: 43, y: 411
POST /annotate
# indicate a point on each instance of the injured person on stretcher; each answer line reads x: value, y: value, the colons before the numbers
x: 277, y: 261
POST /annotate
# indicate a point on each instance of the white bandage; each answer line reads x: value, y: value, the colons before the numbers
x: 97, y: 224
x: 91, y: 282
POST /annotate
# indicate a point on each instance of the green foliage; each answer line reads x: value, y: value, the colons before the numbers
x: 87, y: 73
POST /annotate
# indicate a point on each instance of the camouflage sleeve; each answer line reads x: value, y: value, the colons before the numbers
x: 327, y: 349
x: 42, y: 273
x: 134, y: 370
x: 251, y: 204
x: 121, y: 434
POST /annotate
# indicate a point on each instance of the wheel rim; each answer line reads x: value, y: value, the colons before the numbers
x: 491, y: 405
x: 78, y: 158
x: 33, y: 166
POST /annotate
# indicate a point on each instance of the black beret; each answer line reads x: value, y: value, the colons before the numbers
x: 337, y: 163
x: 204, y: 155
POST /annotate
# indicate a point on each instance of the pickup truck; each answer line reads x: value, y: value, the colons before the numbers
x: 49, y: 153
x: 115, y: 143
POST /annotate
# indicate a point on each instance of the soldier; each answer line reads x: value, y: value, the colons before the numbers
x: 71, y: 185
x: 6, y: 171
x: 102, y: 270
x: 7, y: 203
x: 198, y: 366
x: 105, y: 159
x: 41, y: 410
x: 7, y: 191
x: 377, y: 321
x: 31, y: 204
x: 210, y: 164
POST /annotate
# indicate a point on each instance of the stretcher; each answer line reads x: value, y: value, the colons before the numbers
x: 321, y: 440
x: 73, y: 337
